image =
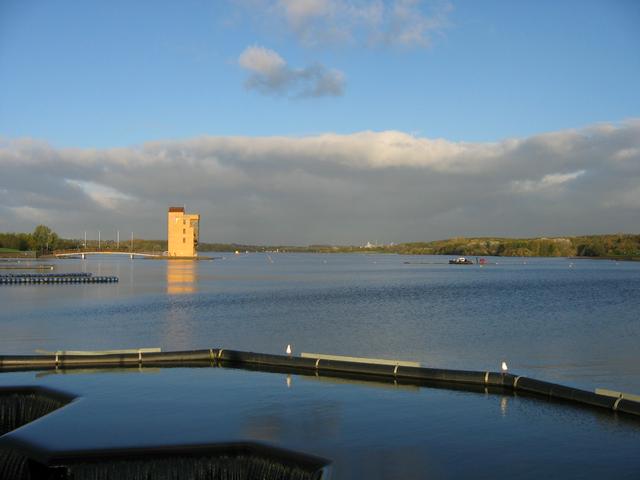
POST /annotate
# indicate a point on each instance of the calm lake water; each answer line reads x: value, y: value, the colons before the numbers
x: 573, y: 322
x: 576, y: 322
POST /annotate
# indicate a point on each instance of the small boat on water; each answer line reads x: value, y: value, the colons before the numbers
x: 460, y: 261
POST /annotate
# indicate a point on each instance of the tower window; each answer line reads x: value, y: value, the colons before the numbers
x: 184, y: 240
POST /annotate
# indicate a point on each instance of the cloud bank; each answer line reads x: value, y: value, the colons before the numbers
x: 377, y: 186
x: 269, y: 74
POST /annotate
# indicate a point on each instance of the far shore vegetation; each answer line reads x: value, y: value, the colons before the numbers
x: 43, y: 241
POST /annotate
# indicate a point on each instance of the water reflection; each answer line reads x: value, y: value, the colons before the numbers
x: 368, y: 382
x: 181, y: 277
x: 504, y: 406
x: 305, y: 422
x: 177, y: 329
x: 94, y: 371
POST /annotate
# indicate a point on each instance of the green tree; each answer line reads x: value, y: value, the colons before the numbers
x: 593, y: 250
x: 44, y: 239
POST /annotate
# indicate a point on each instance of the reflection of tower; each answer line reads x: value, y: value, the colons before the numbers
x: 181, y: 276
x: 182, y: 233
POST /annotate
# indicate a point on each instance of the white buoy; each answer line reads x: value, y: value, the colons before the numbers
x: 504, y: 367
x: 288, y: 349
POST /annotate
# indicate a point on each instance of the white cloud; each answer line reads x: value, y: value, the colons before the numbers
x: 299, y: 12
x: 549, y: 182
x: 389, y: 186
x: 628, y: 154
x: 270, y: 74
x: 408, y: 26
x: 106, y: 197
x: 30, y: 214
x: 316, y: 23
x: 336, y: 23
x: 262, y: 61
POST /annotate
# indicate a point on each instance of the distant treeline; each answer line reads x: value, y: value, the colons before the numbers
x: 240, y: 247
x: 620, y: 245
x: 43, y: 240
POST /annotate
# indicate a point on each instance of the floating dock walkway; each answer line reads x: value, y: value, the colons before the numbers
x: 323, y: 365
x: 48, y: 278
x: 25, y: 266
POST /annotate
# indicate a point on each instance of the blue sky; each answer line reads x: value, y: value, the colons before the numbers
x: 117, y: 73
x: 321, y: 121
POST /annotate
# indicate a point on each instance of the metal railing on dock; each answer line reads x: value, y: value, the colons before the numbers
x: 57, y: 278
